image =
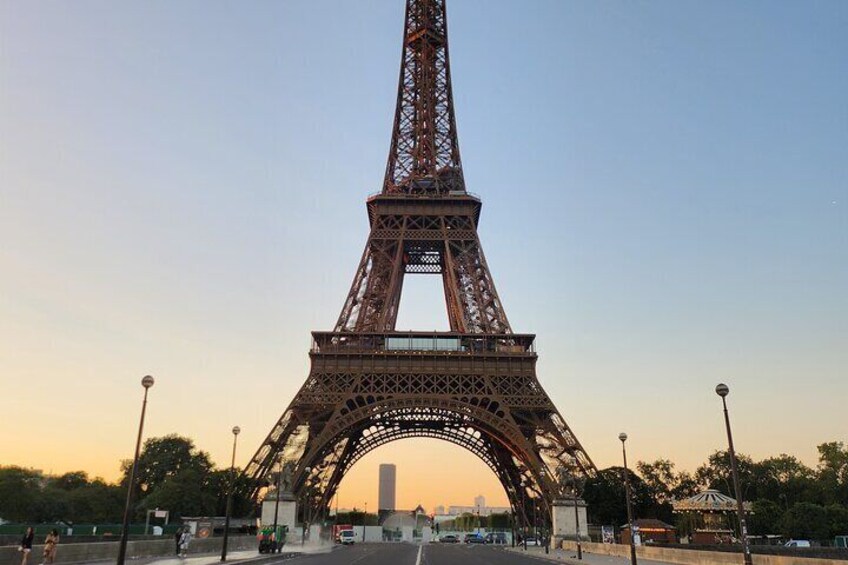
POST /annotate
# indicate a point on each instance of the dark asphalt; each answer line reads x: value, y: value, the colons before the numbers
x: 407, y: 554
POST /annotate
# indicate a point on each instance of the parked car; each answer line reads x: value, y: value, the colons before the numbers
x: 532, y: 541
x: 798, y: 543
x: 449, y: 538
x: 496, y: 538
x: 474, y: 538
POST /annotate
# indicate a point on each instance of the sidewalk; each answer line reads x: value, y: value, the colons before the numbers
x: 570, y: 556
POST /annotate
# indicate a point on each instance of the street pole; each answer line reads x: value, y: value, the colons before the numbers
x: 623, y: 437
x: 305, y: 499
x: 523, y: 518
x: 277, y: 505
x: 236, y: 431
x: 577, y: 521
x: 146, y: 382
x: 723, y: 390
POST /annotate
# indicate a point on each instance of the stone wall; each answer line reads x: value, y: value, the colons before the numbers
x: 697, y: 557
x: 83, y: 552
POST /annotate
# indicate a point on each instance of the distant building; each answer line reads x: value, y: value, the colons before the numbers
x: 480, y: 502
x: 439, y: 510
x: 388, y: 486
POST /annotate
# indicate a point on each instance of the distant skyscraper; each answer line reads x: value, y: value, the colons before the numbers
x: 388, y: 484
x: 479, y: 503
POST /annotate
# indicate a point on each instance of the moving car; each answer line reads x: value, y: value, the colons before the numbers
x: 474, y: 538
x: 347, y: 537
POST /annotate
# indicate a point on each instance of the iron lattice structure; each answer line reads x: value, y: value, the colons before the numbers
x: 474, y: 386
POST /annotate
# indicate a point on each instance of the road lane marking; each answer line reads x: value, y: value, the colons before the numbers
x: 418, y: 559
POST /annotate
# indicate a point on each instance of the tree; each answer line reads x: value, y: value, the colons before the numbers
x: 163, y: 458
x: 183, y: 494
x: 20, y: 490
x: 605, y: 496
x: 837, y: 517
x: 717, y: 474
x: 783, y: 479
x: 833, y: 472
x: 766, y: 518
x: 806, y: 521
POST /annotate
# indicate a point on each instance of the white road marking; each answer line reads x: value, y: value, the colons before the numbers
x: 418, y: 559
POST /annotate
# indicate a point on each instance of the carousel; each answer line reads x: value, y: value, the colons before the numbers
x: 709, y: 517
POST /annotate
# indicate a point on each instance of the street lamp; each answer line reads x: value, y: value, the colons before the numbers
x: 277, y: 505
x: 308, y: 470
x: 523, y: 516
x: 236, y: 431
x: 723, y: 390
x: 623, y: 437
x: 577, y: 519
x: 146, y: 382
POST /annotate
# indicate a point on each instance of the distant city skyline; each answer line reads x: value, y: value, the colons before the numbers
x: 664, y: 194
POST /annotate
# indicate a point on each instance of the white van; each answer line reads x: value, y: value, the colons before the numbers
x: 798, y: 543
x: 347, y: 537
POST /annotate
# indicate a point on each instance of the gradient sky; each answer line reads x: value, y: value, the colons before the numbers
x: 182, y: 188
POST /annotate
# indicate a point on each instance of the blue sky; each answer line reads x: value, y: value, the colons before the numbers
x: 665, y: 188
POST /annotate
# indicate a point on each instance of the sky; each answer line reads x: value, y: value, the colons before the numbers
x: 182, y: 188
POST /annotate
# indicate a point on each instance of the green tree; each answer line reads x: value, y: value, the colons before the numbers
x: 97, y: 502
x: 832, y: 473
x: 20, y: 492
x: 767, y: 517
x: 783, y: 479
x: 806, y: 521
x: 605, y: 496
x: 163, y: 458
x: 716, y: 473
x: 837, y: 517
x: 183, y: 494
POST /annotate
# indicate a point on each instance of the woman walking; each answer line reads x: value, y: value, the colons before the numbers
x: 26, y: 545
x: 50, y: 543
x: 185, y: 540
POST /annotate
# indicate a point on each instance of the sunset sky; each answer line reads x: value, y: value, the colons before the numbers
x: 182, y: 188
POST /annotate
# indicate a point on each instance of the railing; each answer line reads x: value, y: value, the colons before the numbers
x: 438, y: 342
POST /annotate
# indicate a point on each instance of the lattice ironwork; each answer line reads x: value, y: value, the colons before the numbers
x: 424, y: 154
x: 474, y: 386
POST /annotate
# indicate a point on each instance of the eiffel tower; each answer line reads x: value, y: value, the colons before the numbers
x: 474, y: 386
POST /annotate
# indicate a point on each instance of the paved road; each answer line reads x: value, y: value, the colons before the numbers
x: 436, y: 554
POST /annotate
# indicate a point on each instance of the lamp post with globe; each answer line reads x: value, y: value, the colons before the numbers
x: 146, y: 382
x: 723, y: 390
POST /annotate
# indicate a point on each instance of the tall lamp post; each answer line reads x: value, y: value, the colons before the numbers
x: 236, y: 431
x: 577, y: 518
x: 623, y: 437
x: 146, y: 382
x: 306, y: 496
x: 723, y: 390
x: 523, y: 516
x: 277, y: 505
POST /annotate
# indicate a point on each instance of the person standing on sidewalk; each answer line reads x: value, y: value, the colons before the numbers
x: 185, y: 540
x: 26, y: 545
x: 178, y: 536
x: 50, y: 543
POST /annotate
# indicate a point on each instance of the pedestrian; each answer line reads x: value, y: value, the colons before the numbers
x: 50, y: 543
x: 26, y: 545
x: 177, y: 536
x: 185, y: 540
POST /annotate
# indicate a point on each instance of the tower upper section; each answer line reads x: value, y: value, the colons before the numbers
x: 424, y: 154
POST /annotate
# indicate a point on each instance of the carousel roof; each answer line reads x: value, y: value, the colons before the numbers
x: 707, y: 501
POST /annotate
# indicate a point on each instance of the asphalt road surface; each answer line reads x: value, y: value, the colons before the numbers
x: 410, y: 554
